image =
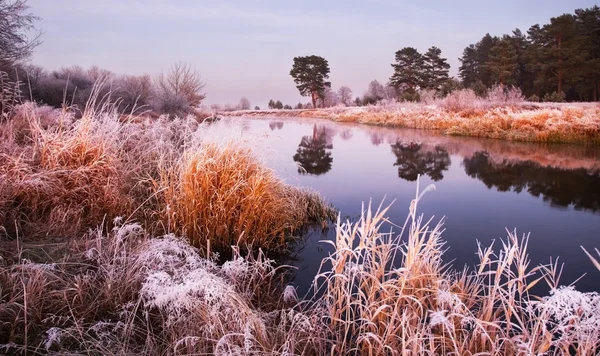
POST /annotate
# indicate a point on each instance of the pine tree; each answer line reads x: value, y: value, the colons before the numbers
x: 502, y: 63
x: 408, y: 69
x: 588, y: 26
x: 310, y: 74
x: 435, y: 69
x: 564, y: 53
x: 469, y: 68
x: 483, y: 53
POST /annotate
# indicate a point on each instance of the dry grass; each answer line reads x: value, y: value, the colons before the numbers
x: 58, y: 179
x: 392, y: 294
x: 222, y: 195
x: 568, y: 123
x: 125, y: 293
x: 60, y: 176
x: 378, y: 293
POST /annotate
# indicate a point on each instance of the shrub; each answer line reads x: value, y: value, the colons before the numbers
x: 171, y: 104
x: 460, y: 100
x: 500, y: 94
x: 133, y: 93
x: 534, y: 99
x: 554, y: 97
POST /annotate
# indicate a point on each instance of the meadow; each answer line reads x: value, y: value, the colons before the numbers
x: 500, y: 115
x: 130, y: 235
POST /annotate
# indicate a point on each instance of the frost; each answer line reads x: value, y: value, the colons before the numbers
x: 573, y: 315
x: 289, y: 294
x: 439, y: 318
x: 53, y: 336
x: 235, y: 269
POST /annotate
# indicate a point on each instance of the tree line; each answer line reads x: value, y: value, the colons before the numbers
x: 556, y: 61
x: 560, y: 58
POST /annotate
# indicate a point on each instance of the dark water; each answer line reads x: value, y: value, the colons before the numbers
x: 483, y: 188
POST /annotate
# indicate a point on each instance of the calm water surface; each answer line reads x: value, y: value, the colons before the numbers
x: 483, y: 188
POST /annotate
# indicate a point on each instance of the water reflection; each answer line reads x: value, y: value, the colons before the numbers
x: 413, y: 159
x: 314, y: 152
x: 275, y: 125
x: 559, y: 187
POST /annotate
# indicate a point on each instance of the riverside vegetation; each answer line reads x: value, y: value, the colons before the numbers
x: 502, y: 114
x: 114, y: 232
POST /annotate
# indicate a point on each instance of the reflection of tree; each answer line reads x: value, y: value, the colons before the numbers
x: 377, y: 138
x: 346, y: 134
x: 557, y: 186
x: 413, y: 160
x: 313, y: 153
x: 275, y: 125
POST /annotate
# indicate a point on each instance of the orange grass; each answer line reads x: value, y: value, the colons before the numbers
x: 65, y: 176
x: 224, y: 196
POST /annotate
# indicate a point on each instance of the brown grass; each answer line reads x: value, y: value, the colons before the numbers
x: 61, y: 181
x: 387, y: 293
x: 224, y: 196
x: 61, y: 177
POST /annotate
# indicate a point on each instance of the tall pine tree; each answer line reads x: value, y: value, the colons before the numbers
x: 502, y: 63
x: 435, y: 69
x: 588, y: 26
x: 408, y: 69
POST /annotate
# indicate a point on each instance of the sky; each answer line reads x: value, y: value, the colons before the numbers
x: 246, y: 47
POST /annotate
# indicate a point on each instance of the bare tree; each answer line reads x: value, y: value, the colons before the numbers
x: 244, y: 103
x: 183, y: 80
x: 134, y: 92
x: 15, y: 26
x: 329, y: 98
x: 375, y: 90
x: 345, y: 95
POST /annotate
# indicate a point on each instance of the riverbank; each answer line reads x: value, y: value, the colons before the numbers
x: 528, y: 122
x: 112, y: 239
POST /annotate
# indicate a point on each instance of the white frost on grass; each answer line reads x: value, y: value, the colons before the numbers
x: 178, y: 279
x: 573, y: 315
x: 53, y: 336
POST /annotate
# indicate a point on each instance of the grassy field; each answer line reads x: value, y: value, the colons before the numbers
x: 531, y: 122
x: 112, y: 228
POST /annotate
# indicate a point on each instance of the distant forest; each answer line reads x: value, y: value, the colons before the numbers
x: 561, y: 57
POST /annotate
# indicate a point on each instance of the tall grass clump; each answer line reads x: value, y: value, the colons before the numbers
x: 222, y: 195
x: 387, y: 294
x: 58, y: 178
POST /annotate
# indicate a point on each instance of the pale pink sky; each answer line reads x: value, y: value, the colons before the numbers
x: 245, y: 48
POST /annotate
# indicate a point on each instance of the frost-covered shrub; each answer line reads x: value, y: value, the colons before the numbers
x: 427, y: 96
x: 171, y: 104
x: 502, y: 95
x: 460, y: 100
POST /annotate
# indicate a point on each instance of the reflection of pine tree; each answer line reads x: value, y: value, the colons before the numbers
x: 561, y: 187
x: 313, y: 155
x: 412, y: 161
